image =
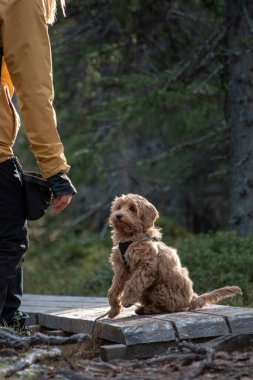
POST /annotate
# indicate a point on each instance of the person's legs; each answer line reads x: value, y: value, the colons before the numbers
x: 13, y: 227
x: 13, y: 296
x: 11, y: 315
x: 13, y: 239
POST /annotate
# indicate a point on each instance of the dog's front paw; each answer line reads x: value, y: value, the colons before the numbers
x: 114, y: 311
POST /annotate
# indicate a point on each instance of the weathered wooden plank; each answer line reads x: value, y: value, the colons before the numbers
x: 135, y: 330
x: 66, y: 324
x: 43, y: 303
x: 239, y: 319
x: 77, y: 320
x: 33, y: 320
x: 138, y: 351
x: 192, y: 325
x: 241, y: 324
x: 131, y: 330
x: 225, y: 311
x: 77, y: 314
x: 114, y: 351
x: 55, y: 308
x: 71, y: 299
x: 63, y: 306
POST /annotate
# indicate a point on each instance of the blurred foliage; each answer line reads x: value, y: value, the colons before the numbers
x: 220, y: 259
x: 69, y: 266
x: 140, y: 100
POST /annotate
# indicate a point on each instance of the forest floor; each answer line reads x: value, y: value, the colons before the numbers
x: 230, y: 359
x: 238, y: 366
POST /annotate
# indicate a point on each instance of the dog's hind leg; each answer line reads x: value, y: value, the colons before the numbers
x: 147, y: 306
x: 148, y: 309
x: 169, y: 300
x: 170, y: 305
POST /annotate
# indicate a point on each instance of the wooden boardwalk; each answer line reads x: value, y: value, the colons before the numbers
x: 130, y: 335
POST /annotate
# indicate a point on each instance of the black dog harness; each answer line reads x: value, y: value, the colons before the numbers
x: 123, y: 248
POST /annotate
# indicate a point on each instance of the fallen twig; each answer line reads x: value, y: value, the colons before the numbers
x: 71, y: 375
x: 7, y: 352
x: 183, y: 358
x: 232, y: 342
x: 9, y: 338
x: 39, y: 338
x: 208, y: 353
x: 226, y: 343
x: 28, y: 360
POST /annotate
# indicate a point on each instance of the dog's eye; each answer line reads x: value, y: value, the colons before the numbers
x: 132, y: 208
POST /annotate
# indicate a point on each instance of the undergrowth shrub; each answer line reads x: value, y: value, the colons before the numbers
x: 216, y: 260
x: 70, y: 266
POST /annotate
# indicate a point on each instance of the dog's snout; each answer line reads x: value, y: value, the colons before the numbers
x: 119, y: 216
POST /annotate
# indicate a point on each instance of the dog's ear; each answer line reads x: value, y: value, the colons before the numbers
x: 114, y: 202
x: 149, y: 214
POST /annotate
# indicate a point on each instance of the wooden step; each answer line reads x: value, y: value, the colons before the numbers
x: 77, y: 314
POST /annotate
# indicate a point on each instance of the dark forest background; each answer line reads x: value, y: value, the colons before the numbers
x: 155, y: 98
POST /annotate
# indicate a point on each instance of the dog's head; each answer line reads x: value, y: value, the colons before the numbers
x: 132, y: 214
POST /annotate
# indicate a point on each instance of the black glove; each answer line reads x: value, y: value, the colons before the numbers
x: 61, y: 185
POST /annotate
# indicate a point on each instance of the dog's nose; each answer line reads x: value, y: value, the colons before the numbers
x: 119, y: 216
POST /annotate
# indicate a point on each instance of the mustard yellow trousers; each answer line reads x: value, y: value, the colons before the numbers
x: 27, y: 68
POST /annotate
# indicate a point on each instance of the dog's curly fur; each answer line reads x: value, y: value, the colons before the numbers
x: 154, y: 276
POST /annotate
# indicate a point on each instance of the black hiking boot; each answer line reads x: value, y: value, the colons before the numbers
x: 18, y: 321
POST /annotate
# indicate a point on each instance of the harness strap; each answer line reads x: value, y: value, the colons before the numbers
x: 124, y: 245
x: 122, y: 248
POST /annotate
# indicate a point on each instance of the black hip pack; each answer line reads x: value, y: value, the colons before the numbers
x: 37, y: 193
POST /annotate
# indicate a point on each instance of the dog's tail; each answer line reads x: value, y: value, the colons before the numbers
x: 214, y: 296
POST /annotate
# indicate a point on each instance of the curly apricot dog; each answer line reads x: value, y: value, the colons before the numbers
x: 145, y: 269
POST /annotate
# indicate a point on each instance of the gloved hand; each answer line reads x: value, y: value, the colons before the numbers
x: 62, y: 189
x: 61, y: 185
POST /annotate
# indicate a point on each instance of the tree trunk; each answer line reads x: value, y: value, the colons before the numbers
x: 240, y: 112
